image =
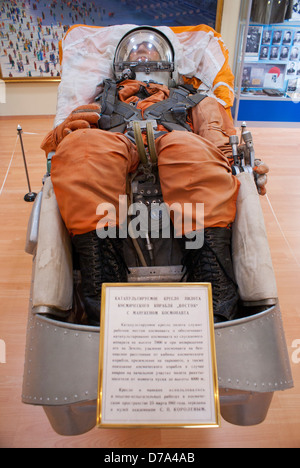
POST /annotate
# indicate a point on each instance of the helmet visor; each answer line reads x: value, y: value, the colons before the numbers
x: 142, y: 50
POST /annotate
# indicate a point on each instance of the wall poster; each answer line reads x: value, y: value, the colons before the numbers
x: 30, y: 30
x: 157, y: 364
x: 272, y: 60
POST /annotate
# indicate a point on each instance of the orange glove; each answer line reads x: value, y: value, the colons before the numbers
x: 81, y: 117
x: 260, y: 175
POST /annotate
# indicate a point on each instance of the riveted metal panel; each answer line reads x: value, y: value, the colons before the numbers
x: 252, y: 353
x: 61, y: 362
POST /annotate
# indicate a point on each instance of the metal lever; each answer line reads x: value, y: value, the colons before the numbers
x: 234, y: 141
x: 243, y: 129
x: 247, y: 137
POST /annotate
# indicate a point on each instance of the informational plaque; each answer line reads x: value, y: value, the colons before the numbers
x: 157, y: 365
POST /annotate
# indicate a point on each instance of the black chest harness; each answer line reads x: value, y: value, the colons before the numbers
x: 171, y: 112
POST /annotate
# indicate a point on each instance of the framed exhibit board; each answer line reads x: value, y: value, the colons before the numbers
x: 157, y: 364
x: 272, y: 59
x: 267, y: 63
x: 30, y: 31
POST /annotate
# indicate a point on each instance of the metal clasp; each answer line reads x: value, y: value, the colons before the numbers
x: 142, y: 124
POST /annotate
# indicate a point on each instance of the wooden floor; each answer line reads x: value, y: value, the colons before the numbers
x: 27, y: 426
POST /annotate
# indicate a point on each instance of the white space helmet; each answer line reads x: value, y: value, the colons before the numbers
x: 144, y: 54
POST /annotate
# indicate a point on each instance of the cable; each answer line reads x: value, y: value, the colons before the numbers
x: 281, y: 230
x: 8, y: 169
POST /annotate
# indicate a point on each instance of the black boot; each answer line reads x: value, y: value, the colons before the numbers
x: 100, y: 261
x: 212, y: 264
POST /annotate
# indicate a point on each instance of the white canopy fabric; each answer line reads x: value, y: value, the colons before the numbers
x: 88, y: 52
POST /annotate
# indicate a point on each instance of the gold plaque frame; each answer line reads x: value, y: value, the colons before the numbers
x: 142, y: 307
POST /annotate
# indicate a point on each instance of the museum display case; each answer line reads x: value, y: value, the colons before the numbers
x: 267, y: 66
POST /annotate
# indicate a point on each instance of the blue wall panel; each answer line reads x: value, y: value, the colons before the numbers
x: 269, y: 111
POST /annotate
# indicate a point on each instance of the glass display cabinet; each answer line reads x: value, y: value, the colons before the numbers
x: 267, y: 63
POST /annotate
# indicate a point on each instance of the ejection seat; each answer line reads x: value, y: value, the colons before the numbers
x: 62, y: 352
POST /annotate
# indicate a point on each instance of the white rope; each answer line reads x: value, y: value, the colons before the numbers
x: 281, y: 230
x: 8, y: 169
x: 11, y: 159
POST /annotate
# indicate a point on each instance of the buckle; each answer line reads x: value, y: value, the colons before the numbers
x: 142, y: 124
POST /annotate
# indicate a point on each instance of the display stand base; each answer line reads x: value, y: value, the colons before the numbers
x: 30, y: 196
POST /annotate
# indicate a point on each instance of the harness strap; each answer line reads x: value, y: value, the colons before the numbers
x: 115, y: 113
x: 151, y: 142
x: 171, y: 112
x: 139, y: 142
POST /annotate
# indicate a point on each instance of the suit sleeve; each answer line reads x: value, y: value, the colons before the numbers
x: 48, y: 144
x: 211, y: 121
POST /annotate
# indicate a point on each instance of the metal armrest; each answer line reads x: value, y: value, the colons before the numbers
x: 33, y: 225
